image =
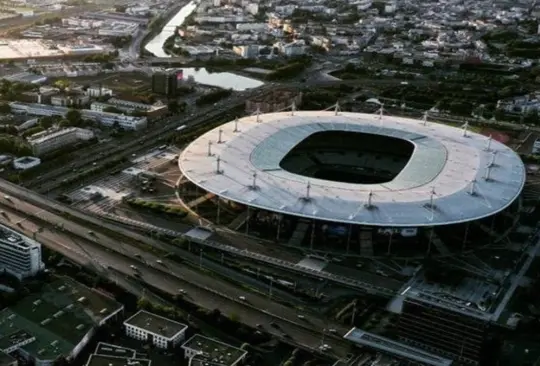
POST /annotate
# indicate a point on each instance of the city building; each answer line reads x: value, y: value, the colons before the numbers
x: 166, y: 83
x: 393, y: 348
x: 105, y: 118
x: 26, y: 162
x: 451, y: 319
x: 55, y: 138
x: 248, y: 51
x: 58, y: 322
x: 20, y: 255
x: 155, y: 329
x: 152, y: 111
x: 98, y: 91
x: 70, y: 100
x: 107, y: 354
x: 207, y: 350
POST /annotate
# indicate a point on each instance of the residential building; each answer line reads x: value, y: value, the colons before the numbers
x: 105, y: 118
x: 70, y: 100
x: 57, y: 322
x: 203, y: 349
x: 20, y: 256
x: 55, y: 138
x: 295, y: 48
x: 98, y: 91
x: 248, y: 51
x: 160, y: 331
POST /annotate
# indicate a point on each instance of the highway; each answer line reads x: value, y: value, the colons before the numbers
x: 208, y: 291
x: 150, y: 139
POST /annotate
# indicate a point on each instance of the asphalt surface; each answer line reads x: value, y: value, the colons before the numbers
x: 154, y: 137
x: 208, y: 291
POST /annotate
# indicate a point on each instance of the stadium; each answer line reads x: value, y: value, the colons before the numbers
x: 357, y: 184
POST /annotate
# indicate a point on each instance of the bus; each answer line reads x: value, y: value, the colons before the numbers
x: 162, y: 147
x: 178, y: 129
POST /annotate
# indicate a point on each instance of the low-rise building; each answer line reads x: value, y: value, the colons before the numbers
x: 20, y: 255
x: 105, y: 118
x: 57, y: 322
x: 152, y: 111
x: 203, y: 350
x: 247, y: 51
x: 55, y: 138
x: 70, y: 100
x: 160, y: 331
x: 98, y: 91
x: 26, y: 162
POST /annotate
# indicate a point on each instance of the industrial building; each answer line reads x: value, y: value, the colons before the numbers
x: 155, y: 329
x: 20, y: 255
x: 58, y: 322
x: 55, y: 138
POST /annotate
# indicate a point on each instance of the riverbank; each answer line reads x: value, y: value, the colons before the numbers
x: 156, y: 26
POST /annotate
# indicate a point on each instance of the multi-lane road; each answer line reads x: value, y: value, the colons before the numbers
x: 105, y: 254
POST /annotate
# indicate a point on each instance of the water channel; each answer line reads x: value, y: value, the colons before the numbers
x: 201, y: 75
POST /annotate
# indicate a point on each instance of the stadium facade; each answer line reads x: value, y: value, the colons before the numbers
x: 359, y: 184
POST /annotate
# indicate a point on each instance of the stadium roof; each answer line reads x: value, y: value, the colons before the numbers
x: 451, y: 177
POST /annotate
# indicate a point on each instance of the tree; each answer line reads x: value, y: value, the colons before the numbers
x: 74, y: 117
x: 173, y: 106
x: 5, y: 108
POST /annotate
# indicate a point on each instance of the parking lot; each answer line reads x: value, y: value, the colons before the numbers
x: 104, y: 194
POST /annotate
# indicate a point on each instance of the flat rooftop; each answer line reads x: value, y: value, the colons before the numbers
x: 386, y: 345
x: 59, y: 317
x: 12, y: 49
x: 101, y: 360
x: 10, y: 236
x: 214, y: 350
x: 107, y: 349
x: 481, y: 298
x: 156, y: 324
x: 445, y: 181
x: 6, y: 359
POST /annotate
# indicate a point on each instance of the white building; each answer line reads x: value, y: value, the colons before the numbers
x: 20, y: 256
x: 105, y: 118
x: 256, y: 27
x: 26, y: 162
x: 54, y: 139
x: 247, y: 51
x: 95, y: 92
x: 204, y: 349
x: 161, y: 331
x: 295, y: 48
